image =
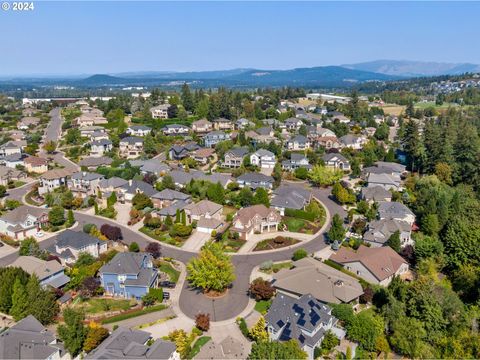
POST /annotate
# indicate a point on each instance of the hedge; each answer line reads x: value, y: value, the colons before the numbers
x: 158, y: 293
x: 242, y: 324
x: 133, y: 314
x: 300, y: 214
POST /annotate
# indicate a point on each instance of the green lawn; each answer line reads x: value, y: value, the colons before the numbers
x: 262, y: 306
x: 133, y: 314
x: 168, y: 269
x: 277, y: 267
x: 198, y: 345
x: 163, y: 237
x: 294, y: 224
x: 95, y: 305
x: 18, y: 183
x: 232, y: 245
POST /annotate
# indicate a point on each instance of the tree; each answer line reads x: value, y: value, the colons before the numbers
x: 141, y: 201
x: 56, y: 216
x: 258, y: 332
x: 277, y: 174
x: 366, y: 328
x: 113, y: 233
x: 42, y: 302
x: 87, y: 228
x: 70, y: 218
x: 245, y: 197
x: 133, y: 247
x: 261, y: 289
x: 323, y: 176
x: 180, y: 338
x: 50, y: 147
x: 212, y: 269
x: 301, y: 173
x: 168, y: 183
x: 187, y: 98
x: 430, y: 224
x: 337, y: 231
x: 30, y: 247
x: 3, y: 190
x: 89, y: 286
x: 394, y: 241
x: 154, y: 249
x: 261, y: 197
x: 112, y: 199
x: 202, y: 321
x: 329, y: 341
x: 274, y: 350
x: 95, y: 335
x: 342, y: 195
x: 84, y: 259
x: 73, y: 332
x: 216, y: 193
x: 444, y: 172
x: 19, y: 301
x: 408, y: 337
x: 299, y: 254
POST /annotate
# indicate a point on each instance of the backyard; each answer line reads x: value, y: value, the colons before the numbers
x: 99, y: 305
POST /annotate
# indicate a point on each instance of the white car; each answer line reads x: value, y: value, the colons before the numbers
x: 39, y: 234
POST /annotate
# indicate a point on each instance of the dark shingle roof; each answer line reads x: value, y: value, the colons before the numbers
x: 75, y: 239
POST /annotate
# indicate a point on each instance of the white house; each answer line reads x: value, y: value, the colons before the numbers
x: 263, y: 158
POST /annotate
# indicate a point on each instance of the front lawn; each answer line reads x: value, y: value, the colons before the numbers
x: 276, y: 243
x: 168, y: 269
x: 294, y: 225
x: 232, y: 245
x: 197, y: 346
x: 162, y: 236
x: 97, y: 305
x: 276, y: 267
x: 262, y: 306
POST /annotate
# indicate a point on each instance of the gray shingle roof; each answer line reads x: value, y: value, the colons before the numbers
x: 126, y: 263
x: 75, y: 239
x: 133, y: 186
x: 291, y: 197
x: 168, y: 194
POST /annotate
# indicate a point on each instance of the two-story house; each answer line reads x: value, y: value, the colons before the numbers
x: 49, y: 273
x: 234, y: 157
x: 70, y: 244
x: 35, y: 164
x: 138, y: 130
x: 353, y: 142
x: 298, y: 143
x: 129, y: 275
x: 84, y: 183
x: 53, y: 179
x: 127, y: 191
x: 223, y: 124
x: 131, y: 147
x: 255, y: 180
x: 263, y: 158
x: 336, y: 161
x: 176, y: 129
x: 160, y: 111
x: 293, y: 124
x: 214, y: 137
x: 202, y: 126
x: 179, y: 152
x: 296, y: 161
x: 100, y: 147
x: 380, y: 231
x: 256, y: 219
x: 23, y: 221
x: 395, y: 210
x: 167, y: 197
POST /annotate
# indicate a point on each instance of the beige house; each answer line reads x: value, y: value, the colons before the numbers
x: 204, y: 208
x: 36, y: 164
x: 52, y: 180
x: 160, y: 111
x: 202, y: 126
x: 131, y: 147
x: 8, y: 174
x: 255, y: 219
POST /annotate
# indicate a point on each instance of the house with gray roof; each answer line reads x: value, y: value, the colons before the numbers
x: 243, y: 123
x: 234, y: 157
x: 336, y: 161
x: 167, y: 197
x: 395, y: 210
x: 8, y: 174
x: 100, y: 147
x: 138, y: 130
x: 289, y: 196
x: 353, y: 141
x: 130, y: 147
x: 304, y: 319
x: 175, y: 129
x: 263, y: 158
x: 293, y: 124
x: 255, y: 180
x: 29, y: 339
x: 214, y: 137
x: 49, y: 273
x: 170, y: 210
x: 84, y: 183
x: 379, y: 231
x: 386, y: 181
x: 125, y: 343
x: 23, y: 221
x: 182, y: 178
x: 70, y: 244
x: 91, y: 163
x: 298, y: 143
x: 134, y: 187
x: 129, y: 275
x: 154, y: 167
x: 113, y: 184
x: 296, y: 161
x: 374, y: 194
x: 228, y: 348
x: 179, y: 152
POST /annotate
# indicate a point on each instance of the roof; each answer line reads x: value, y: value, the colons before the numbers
x: 201, y: 122
x: 238, y: 151
x: 126, y: 263
x: 86, y: 176
x: 8, y: 171
x: 393, y: 210
x: 334, y: 157
x: 228, y: 348
x: 95, y: 161
x: 349, y: 139
x: 203, y: 207
x: 221, y: 120
x: 20, y: 214
x: 264, y: 152
x: 266, y: 130
x: 75, y: 239
x: 379, y: 231
x: 113, y: 182
x: 28, y: 339
x: 41, y: 268
x: 385, y: 179
x: 168, y: 194
x: 394, y: 167
x: 294, y: 318
x: 131, y: 140
x: 255, y: 178
x: 172, y: 209
x: 376, y: 193
x: 36, y: 161
x: 204, y: 152
x: 325, y: 283
x: 139, y: 127
x: 299, y: 139
x: 382, y: 262
x: 56, y: 174
x: 101, y: 142
x: 247, y: 213
x: 133, y: 186
x: 216, y: 133
x: 209, y: 223
x: 291, y: 197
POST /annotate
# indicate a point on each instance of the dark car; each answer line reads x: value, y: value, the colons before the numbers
x: 167, y: 284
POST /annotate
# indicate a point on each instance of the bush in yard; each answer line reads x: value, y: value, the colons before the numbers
x: 299, y: 254
x: 157, y: 293
x: 202, y: 321
x: 111, y: 232
x: 266, y: 265
x: 180, y: 230
x: 56, y: 216
x: 242, y: 324
x: 261, y: 289
x: 89, y: 286
x: 367, y: 295
x: 329, y: 342
x: 154, y: 249
x: 153, y: 222
x: 88, y: 227
x: 140, y: 201
x: 95, y: 335
x: 73, y: 333
x: 148, y: 299
x: 258, y: 332
x: 300, y: 214
x: 133, y: 247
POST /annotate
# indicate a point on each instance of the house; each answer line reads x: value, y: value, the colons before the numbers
x: 167, y: 197
x: 290, y: 197
x: 256, y: 219
x: 28, y: 122
x: 298, y: 143
x: 228, y: 348
x: 203, y: 208
x: 175, y: 129
x: 129, y: 275
x: 53, y: 179
x: 16, y: 135
x: 386, y: 181
x: 170, y: 210
x: 311, y: 276
x: 263, y: 158
x: 29, y: 339
x: 255, y: 180
x: 89, y: 130
x: 214, y: 137
x: 84, y: 184
x: 209, y: 225
x: 234, y: 157
x: 124, y: 343
x: 376, y: 265
x: 203, y: 156
x: 34, y: 164
x: 152, y: 166
x: 160, y: 111
x: 202, y: 126
x: 70, y: 244
x: 100, y: 147
x: 49, y: 273
x: 91, y: 163
x: 90, y: 119
x: 337, y: 116
x: 127, y: 191
x: 379, y: 231
x: 23, y: 221
x: 113, y: 184
x: 293, y: 124
x: 10, y: 148
x: 296, y: 161
x: 374, y: 194
x: 182, y: 178
x: 14, y: 161
x: 353, y: 142
x: 223, y: 124
x: 396, y: 171
x: 179, y: 152
x: 243, y: 123
x: 336, y: 161
x: 98, y: 135
x: 8, y: 174
x: 131, y: 147
x: 323, y: 132
x: 329, y: 142
x: 138, y: 130
x: 395, y: 210
x: 303, y: 319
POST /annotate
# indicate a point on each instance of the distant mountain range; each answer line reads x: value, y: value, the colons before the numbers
x: 407, y: 68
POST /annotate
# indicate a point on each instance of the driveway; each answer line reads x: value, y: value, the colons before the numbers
x: 196, y: 241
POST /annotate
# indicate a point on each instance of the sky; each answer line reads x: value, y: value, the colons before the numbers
x: 65, y: 37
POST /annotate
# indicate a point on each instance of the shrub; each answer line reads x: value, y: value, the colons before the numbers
x: 261, y: 289
x: 202, y: 321
x: 154, y: 249
x: 111, y: 232
x: 148, y: 299
x: 300, y: 214
x: 242, y: 324
x: 299, y: 254
x: 87, y: 228
x: 266, y: 265
x: 180, y: 230
x: 133, y: 247
x: 157, y: 293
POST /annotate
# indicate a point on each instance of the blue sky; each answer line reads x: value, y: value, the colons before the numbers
x: 110, y: 37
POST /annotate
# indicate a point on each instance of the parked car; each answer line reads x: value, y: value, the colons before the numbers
x: 167, y: 284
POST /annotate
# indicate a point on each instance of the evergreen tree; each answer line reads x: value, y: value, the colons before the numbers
x: 187, y: 98
x: 19, y: 301
x: 177, y: 216
x: 216, y: 193
x: 258, y: 332
x: 261, y: 197
x: 73, y: 332
x: 70, y: 218
x: 394, y: 241
x: 337, y: 231
x: 412, y: 145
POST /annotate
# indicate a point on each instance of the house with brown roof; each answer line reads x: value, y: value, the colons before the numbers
x: 23, y: 222
x: 203, y: 155
x: 27, y: 122
x: 8, y: 174
x: 204, y: 208
x: 311, y: 276
x: 53, y: 179
x: 36, y: 164
x: 202, y: 126
x: 255, y: 219
x: 377, y: 265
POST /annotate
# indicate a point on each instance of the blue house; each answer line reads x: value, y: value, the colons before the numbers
x: 129, y: 275
x: 214, y: 137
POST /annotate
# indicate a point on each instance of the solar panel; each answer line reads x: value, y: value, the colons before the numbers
x: 280, y: 323
x: 314, y: 319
